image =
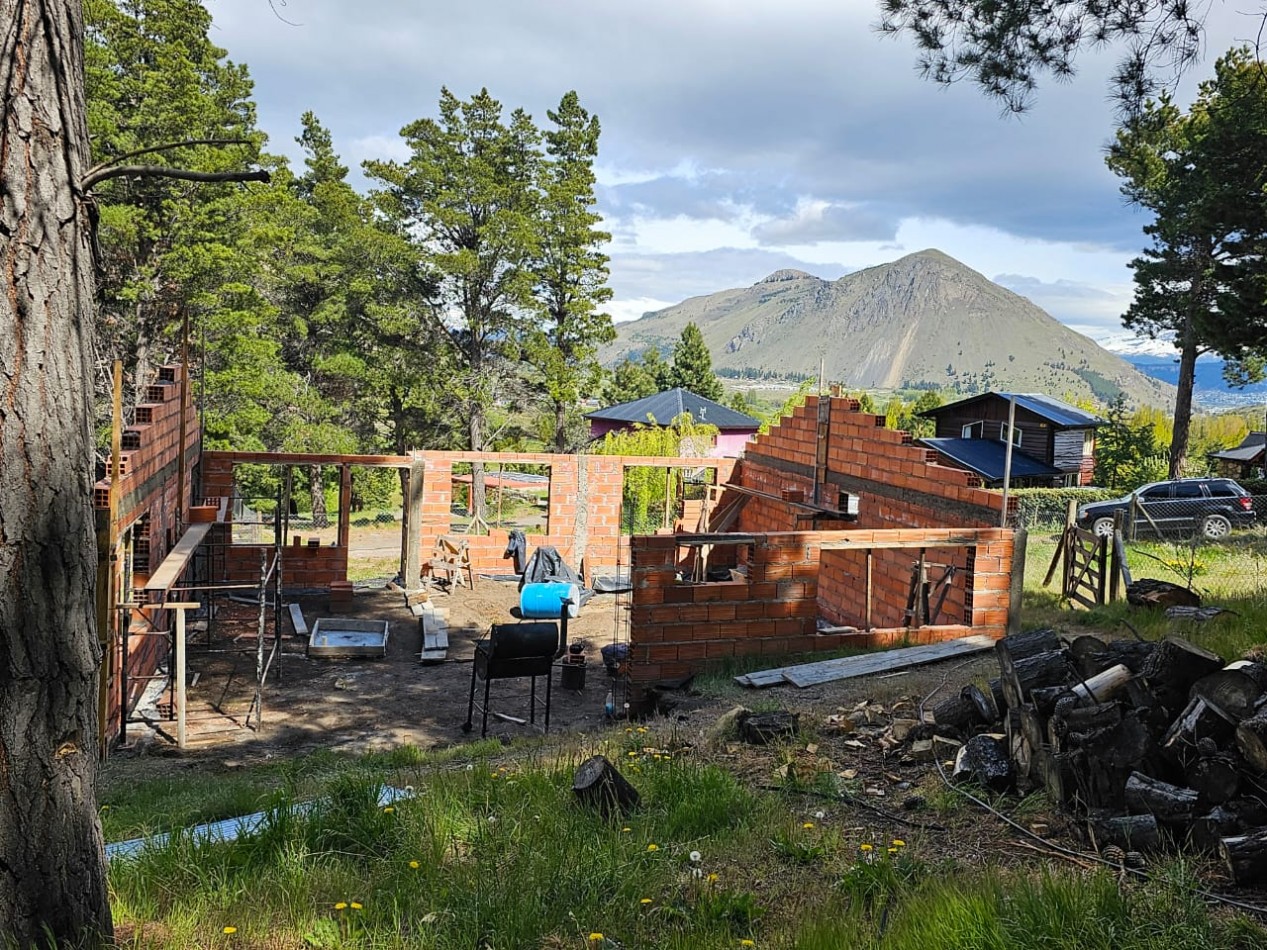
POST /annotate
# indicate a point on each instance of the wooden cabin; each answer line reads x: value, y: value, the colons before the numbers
x: 1053, y: 443
x: 1244, y: 461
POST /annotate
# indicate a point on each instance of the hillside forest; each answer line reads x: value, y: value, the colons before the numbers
x: 456, y: 302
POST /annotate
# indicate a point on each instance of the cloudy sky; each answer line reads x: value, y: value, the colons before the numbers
x: 739, y: 136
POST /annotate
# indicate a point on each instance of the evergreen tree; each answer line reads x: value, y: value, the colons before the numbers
x: 467, y: 197
x: 693, y: 365
x: 629, y: 381
x: 1200, y: 173
x: 571, y: 269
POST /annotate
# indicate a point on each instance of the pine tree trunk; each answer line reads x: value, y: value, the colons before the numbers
x: 52, y: 866
x: 477, y: 505
x: 560, y: 427
x: 1183, y: 397
x: 317, y: 491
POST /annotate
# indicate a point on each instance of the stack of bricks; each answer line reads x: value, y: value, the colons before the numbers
x: 677, y: 628
x: 340, y: 596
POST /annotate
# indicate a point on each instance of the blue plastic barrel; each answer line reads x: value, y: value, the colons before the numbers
x: 544, y: 601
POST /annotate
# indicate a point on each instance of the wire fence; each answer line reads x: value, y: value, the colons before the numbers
x: 1203, y: 536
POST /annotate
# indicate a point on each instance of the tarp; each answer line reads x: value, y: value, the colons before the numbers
x: 547, y: 566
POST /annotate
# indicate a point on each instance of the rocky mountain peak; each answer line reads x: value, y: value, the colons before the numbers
x: 786, y: 273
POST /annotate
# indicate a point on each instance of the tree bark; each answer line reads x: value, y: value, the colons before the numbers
x: 1183, y: 393
x: 560, y: 427
x: 477, y: 502
x: 52, y: 865
x: 317, y: 492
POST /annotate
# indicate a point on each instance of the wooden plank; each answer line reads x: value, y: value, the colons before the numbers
x: 811, y: 674
x: 957, y: 541
x: 173, y: 565
x: 762, y: 679
x: 297, y: 620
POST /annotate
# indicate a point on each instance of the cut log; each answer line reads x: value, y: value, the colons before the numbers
x: 1177, y: 661
x: 1253, y: 669
x: 1133, y: 832
x: 1057, y: 773
x: 1074, y: 727
x: 1208, y: 830
x: 1033, y: 672
x: 1103, y: 686
x: 987, y: 708
x: 1233, y: 691
x: 984, y: 760
x: 599, y: 784
x: 1150, y: 592
x: 1018, y: 746
x: 1246, y: 857
x: 1046, y: 698
x: 1089, y: 655
x: 1199, y: 720
x: 1132, y: 653
x: 958, y: 712
x: 760, y: 728
x: 1251, y: 739
x: 1021, y: 645
x: 996, y: 693
x: 1216, y: 778
x: 1166, y: 802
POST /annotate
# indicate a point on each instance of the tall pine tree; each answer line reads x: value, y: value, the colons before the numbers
x: 693, y: 365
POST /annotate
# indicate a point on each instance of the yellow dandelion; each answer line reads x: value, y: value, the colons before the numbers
x: 645, y: 901
x: 653, y: 847
x: 595, y: 937
x: 892, y: 850
x: 866, y: 847
x: 808, y: 824
x: 415, y: 865
x: 342, y: 905
x: 632, y: 754
x: 745, y: 942
x: 625, y: 830
x: 712, y: 878
x: 356, y: 906
x: 642, y: 729
x: 492, y: 774
x: 899, y: 843
x: 230, y: 930
x: 389, y: 809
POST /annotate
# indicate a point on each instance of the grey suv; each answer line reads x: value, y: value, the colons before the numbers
x: 1211, y: 507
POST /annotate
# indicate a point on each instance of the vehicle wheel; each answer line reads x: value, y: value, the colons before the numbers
x: 1102, y: 527
x: 1215, y: 527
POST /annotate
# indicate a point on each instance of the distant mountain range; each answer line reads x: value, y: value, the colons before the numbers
x: 923, y: 321
x: 1210, y: 390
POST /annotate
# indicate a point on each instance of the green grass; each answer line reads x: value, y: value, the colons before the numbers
x: 494, y: 852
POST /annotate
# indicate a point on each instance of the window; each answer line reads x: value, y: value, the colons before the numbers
x: 974, y: 430
x: 1223, y: 490
x: 1188, y: 490
x: 1156, y: 493
x: 1016, y: 434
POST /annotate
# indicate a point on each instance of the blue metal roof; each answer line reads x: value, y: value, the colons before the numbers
x: 1058, y: 413
x: 988, y: 457
x: 663, y: 408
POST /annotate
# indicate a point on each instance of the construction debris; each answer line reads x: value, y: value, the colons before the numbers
x: 826, y: 671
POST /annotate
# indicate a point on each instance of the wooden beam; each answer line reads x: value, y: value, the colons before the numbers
x: 413, y: 527
x: 177, y: 558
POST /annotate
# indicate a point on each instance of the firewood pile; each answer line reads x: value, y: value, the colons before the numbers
x: 1153, y: 745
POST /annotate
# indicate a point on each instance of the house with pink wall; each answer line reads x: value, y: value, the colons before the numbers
x: 734, y: 428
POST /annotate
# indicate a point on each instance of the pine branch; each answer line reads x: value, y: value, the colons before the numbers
x: 158, y: 171
x: 167, y: 147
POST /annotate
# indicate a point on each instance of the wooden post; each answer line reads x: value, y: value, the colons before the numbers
x: 1067, y: 540
x: 668, y: 497
x: 1007, y: 458
x: 345, y: 505
x: 108, y: 566
x: 1016, y: 590
x: 182, y: 429
x: 412, y: 569
x: 1102, y: 557
x: 866, y: 622
x: 181, y: 678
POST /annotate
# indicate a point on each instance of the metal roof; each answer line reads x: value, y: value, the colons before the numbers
x: 987, y: 457
x: 1242, y: 453
x: 1058, y: 413
x: 663, y: 408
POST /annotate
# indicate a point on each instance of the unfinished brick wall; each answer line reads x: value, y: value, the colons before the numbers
x: 583, y: 518
x: 676, y: 628
x: 147, y: 507
x: 899, y: 484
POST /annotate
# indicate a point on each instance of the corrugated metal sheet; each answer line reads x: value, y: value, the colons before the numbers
x: 1053, y: 410
x: 663, y: 408
x: 987, y: 457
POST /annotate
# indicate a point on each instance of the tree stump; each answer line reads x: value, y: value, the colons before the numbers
x: 599, y: 784
x: 1161, y: 799
x: 760, y: 728
x: 1178, y: 663
x: 1246, y: 857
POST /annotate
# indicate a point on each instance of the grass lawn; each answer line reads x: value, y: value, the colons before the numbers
x: 493, y: 852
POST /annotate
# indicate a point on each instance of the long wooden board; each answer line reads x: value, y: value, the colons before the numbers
x: 173, y: 565
x: 826, y: 671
